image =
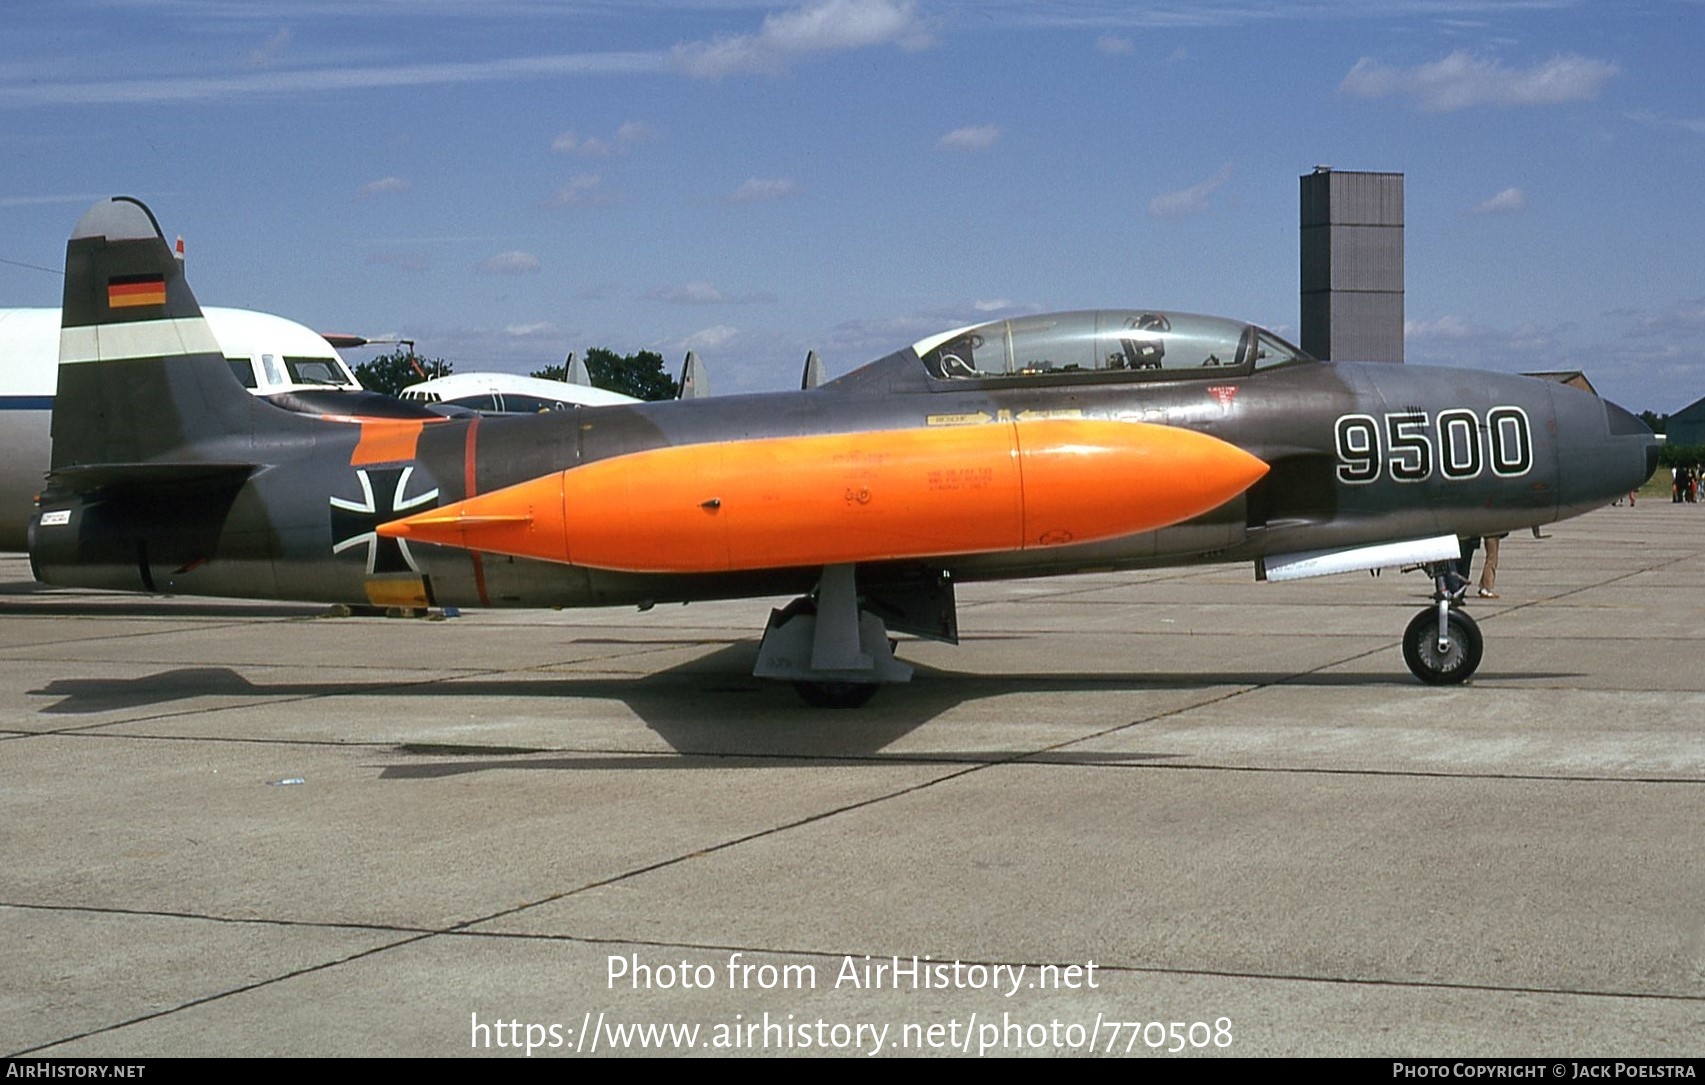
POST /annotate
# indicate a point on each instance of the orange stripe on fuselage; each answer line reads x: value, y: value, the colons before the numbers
x: 386, y: 441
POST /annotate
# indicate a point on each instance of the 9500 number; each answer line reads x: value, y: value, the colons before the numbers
x: 1410, y: 446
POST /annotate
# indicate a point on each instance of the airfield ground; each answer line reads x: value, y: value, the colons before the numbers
x: 241, y: 829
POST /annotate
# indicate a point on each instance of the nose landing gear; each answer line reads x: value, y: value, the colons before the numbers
x: 1442, y: 645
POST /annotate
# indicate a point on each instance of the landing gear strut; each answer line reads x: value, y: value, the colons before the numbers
x: 835, y: 654
x: 1443, y: 644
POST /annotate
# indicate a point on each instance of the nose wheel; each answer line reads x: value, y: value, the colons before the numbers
x: 1442, y: 645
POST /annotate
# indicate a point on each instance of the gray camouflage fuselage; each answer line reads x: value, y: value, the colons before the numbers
x: 168, y: 478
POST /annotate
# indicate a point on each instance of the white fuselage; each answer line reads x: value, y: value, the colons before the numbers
x: 509, y: 393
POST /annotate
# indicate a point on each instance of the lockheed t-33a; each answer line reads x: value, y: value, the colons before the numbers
x: 1036, y: 446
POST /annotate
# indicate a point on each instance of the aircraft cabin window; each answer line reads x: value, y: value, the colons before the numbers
x: 514, y: 403
x: 1272, y: 351
x: 1135, y: 344
x: 313, y: 371
x: 243, y: 370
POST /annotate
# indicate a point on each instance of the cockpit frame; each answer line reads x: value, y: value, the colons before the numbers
x: 1098, y: 347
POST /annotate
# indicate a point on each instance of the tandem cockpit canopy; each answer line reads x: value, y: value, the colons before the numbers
x: 1128, y: 344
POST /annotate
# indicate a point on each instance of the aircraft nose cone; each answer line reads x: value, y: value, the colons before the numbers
x: 1620, y: 423
x: 1603, y: 451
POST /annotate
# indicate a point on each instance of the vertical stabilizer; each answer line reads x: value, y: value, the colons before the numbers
x: 575, y: 371
x: 140, y: 375
x: 694, y: 383
x: 813, y: 375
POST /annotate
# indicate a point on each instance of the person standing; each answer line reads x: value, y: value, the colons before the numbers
x: 1489, y: 570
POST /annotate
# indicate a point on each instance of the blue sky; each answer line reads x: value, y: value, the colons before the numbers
x: 507, y: 180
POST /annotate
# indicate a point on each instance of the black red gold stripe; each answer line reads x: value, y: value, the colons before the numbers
x: 132, y: 291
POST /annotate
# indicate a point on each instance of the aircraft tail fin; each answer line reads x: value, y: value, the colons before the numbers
x: 694, y: 383
x: 813, y: 375
x: 141, y: 378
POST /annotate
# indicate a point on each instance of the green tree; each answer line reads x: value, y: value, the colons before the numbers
x: 1680, y: 455
x: 639, y: 374
x: 391, y: 373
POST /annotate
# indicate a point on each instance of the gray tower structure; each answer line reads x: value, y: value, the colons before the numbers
x: 1352, y: 265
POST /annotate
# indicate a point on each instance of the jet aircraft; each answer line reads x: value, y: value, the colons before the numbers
x: 1035, y: 446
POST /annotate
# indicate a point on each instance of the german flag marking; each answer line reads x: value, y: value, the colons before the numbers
x: 134, y: 291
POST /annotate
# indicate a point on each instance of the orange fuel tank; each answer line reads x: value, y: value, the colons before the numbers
x: 828, y: 499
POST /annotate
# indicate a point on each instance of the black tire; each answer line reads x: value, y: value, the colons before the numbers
x: 1421, y: 648
x: 836, y: 694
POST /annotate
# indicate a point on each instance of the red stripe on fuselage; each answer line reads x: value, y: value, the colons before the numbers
x: 470, y: 485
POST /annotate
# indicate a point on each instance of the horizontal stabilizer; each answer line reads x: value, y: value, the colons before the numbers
x: 153, y: 477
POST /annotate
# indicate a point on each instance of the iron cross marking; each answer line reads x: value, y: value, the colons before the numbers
x: 383, y: 499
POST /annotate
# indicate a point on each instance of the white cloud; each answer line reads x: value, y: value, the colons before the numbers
x: 976, y: 137
x: 1507, y: 202
x: 694, y: 293
x: 1464, y: 79
x: 1189, y: 201
x: 384, y: 184
x: 582, y: 190
x: 1448, y: 328
x: 826, y: 26
x: 629, y: 134
x: 823, y: 26
x: 539, y: 329
x: 701, y: 292
x: 1682, y: 320
x: 34, y: 201
x: 275, y: 82
x: 709, y: 338
x: 762, y: 190
x: 1114, y: 45
x: 1696, y: 125
x: 513, y: 262
x: 1639, y: 358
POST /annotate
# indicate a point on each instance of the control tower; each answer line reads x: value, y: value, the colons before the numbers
x: 1352, y: 265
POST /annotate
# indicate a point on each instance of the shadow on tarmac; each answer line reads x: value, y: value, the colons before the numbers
x: 707, y: 706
